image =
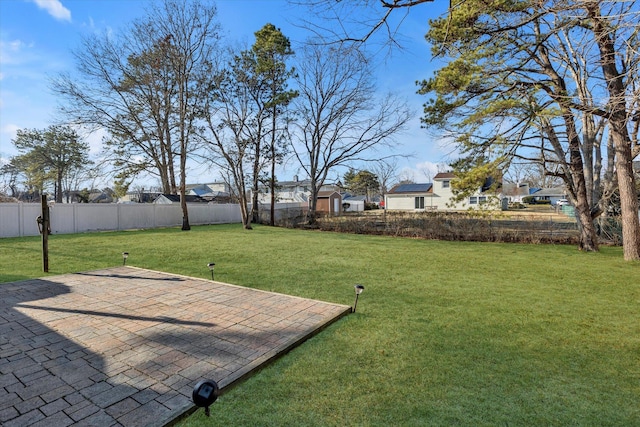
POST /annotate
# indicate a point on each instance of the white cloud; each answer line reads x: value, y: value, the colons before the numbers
x: 10, y: 51
x: 422, y: 171
x: 10, y: 129
x: 55, y: 9
x: 94, y: 139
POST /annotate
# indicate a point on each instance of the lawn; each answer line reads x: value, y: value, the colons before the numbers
x: 446, y: 333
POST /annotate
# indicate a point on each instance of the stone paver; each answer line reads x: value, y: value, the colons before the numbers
x: 124, y: 346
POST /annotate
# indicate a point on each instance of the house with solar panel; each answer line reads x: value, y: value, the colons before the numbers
x: 433, y: 196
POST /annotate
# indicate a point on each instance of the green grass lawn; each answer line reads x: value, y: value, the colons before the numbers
x: 446, y: 333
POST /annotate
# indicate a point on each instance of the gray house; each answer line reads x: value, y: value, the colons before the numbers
x: 552, y: 194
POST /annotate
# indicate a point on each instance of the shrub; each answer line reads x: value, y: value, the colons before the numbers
x: 516, y: 205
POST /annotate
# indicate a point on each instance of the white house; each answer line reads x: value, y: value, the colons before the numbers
x: 219, y: 192
x: 296, y: 191
x: 432, y: 196
x: 515, y: 192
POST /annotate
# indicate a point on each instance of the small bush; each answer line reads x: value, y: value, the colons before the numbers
x: 516, y: 205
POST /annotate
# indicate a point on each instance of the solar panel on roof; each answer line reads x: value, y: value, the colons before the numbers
x: 412, y: 188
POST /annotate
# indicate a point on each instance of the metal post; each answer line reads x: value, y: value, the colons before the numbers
x: 44, y: 221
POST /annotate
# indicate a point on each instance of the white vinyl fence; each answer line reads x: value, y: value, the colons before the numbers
x: 19, y: 219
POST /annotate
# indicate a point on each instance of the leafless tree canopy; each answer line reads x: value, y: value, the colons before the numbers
x: 340, y: 118
x: 359, y: 21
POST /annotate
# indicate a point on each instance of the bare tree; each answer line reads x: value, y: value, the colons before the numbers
x: 611, y: 27
x: 231, y: 115
x: 340, y: 118
x: 387, y: 172
x: 146, y: 88
x: 358, y: 21
x: 191, y: 33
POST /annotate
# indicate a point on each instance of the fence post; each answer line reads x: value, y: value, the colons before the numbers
x: 44, y: 225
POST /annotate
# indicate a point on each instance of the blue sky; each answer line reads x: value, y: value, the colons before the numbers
x: 37, y: 38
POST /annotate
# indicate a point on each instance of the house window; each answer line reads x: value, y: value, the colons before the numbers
x: 482, y: 199
x: 419, y: 202
x: 473, y: 200
x: 445, y: 184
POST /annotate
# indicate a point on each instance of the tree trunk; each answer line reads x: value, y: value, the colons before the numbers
x: 628, y: 199
x: 244, y: 212
x: 574, y: 178
x: 313, y: 205
x: 272, y: 182
x: 255, y: 214
x: 242, y: 194
x: 272, y: 219
x: 619, y: 132
x: 185, y: 211
x: 588, y: 235
x: 183, y: 189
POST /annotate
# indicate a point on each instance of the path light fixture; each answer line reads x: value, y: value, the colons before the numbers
x: 211, y: 265
x: 125, y: 255
x: 358, y: 289
x: 205, y: 393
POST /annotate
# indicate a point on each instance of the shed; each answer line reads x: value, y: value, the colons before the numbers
x: 353, y: 203
x: 329, y: 203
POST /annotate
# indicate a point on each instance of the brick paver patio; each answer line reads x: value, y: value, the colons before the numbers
x: 125, y: 346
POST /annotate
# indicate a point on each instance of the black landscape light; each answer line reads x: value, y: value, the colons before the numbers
x: 205, y: 393
x: 358, y: 289
x: 211, y: 265
x: 125, y: 255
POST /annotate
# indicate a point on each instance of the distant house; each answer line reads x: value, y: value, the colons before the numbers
x: 287, y: 192
x: 515, y: 192
x: 296, y: 191
x: 140, y: 196
x: 551, y: 194
x: 168, y: 199
x: 106, y: 195
x: 216, y: 192
x: 102, y: 196
x: 212, y: 193
x: 433, y: 196
x: 410, y: 197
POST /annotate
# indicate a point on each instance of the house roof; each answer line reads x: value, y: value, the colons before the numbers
x: 190, y: 198
x: 555, y: 191
x: 444, y: 175
x: 323, y: 194
x: 513, y: 189
x: 412, y: 188
x: 349, y: 197
x: 303, y: 182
